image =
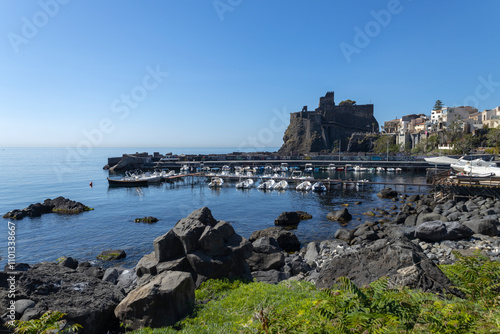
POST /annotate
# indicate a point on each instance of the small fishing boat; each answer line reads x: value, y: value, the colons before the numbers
x: 304, y: 186
x: 137, y: 178
x: 319, y: 187
x: 216, y: 182
x: 282, y: 185
x: 127, y: 183
x: 268, y: 185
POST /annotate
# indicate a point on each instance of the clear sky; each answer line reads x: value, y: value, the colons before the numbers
x: 228, y: 72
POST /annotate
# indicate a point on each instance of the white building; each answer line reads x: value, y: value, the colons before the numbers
x: 441, y: 119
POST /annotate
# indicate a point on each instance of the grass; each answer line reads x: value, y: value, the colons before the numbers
x: 225, y: 306
x: 232, y: 306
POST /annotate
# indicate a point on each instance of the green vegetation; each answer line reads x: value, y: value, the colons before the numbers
x: 225, y: 306
x: 384, y: 144
x: 493, y: 139
x: 347, y: 103
x: 71, y: 212
x: 438, y: 105
x: 49, y: 322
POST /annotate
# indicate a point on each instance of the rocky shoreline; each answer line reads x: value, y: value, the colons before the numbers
x: 406, y: 244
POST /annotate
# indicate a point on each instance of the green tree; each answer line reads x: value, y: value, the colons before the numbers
x: 493, y: 139
x: 438, y: 105
x: 384, y: 143
x: 465, y: 143
x: 454, y: 131
x: 347, y: 103
x: 432, y: 142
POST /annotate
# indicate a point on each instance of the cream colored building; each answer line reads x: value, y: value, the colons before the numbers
x: 491, y: 118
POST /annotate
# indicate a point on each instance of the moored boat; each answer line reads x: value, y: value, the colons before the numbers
x: 304, y: 186
x: 267, y: 185
x: 282, y: 185
x: 318, y: 186
x: 216, y: 182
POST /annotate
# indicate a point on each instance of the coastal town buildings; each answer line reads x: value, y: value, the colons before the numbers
x: 410, y: 130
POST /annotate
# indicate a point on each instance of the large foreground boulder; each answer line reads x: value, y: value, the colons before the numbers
x: 198, y: 248
x: 86, y: 299
x: 167, y: 298
x: 395, y: 258
x: 200, y: 245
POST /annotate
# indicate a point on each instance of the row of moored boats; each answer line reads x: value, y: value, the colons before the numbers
x: 271, y: 184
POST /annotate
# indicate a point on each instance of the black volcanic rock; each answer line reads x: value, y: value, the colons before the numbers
x: 58, y: 205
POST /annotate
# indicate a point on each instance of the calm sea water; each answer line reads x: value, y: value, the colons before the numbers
x: 29, y: 175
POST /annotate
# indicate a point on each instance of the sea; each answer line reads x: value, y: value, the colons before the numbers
x: 31, y: 175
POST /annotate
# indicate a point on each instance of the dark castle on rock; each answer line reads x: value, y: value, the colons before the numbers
x: 320, y: 130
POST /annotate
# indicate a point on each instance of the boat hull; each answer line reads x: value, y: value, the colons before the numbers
x: 127, y: 183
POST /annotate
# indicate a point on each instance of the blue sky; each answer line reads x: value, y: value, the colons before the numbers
x: 228, y: 72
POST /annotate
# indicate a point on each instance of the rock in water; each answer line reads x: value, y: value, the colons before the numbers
x: 387, y: 193
x: 57, y: 205
x: 287, y: 219
x: 341, y: 215
x: 148, y: 220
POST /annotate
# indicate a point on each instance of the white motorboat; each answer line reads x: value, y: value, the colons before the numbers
x: 149, y: 177
x: 390, y: 170
x: 184, y: 169
x: 226, y: 168
x: 462, y: 163
x: 481, y: 170
x: 267, y: 185
x: 282, y: 185
x: 318, y: 186
x: 441, y: 160
x: 304, y: 186
x: 398, y: 169
x: 308, y: 168
x: 380, y: 169
x: 284, y: 167
x: 357, y: 168
x: 246, y: 184
x: 216, y: 182
x: 332, y: 168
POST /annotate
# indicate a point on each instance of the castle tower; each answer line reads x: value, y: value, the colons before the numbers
x: 327, y: 100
